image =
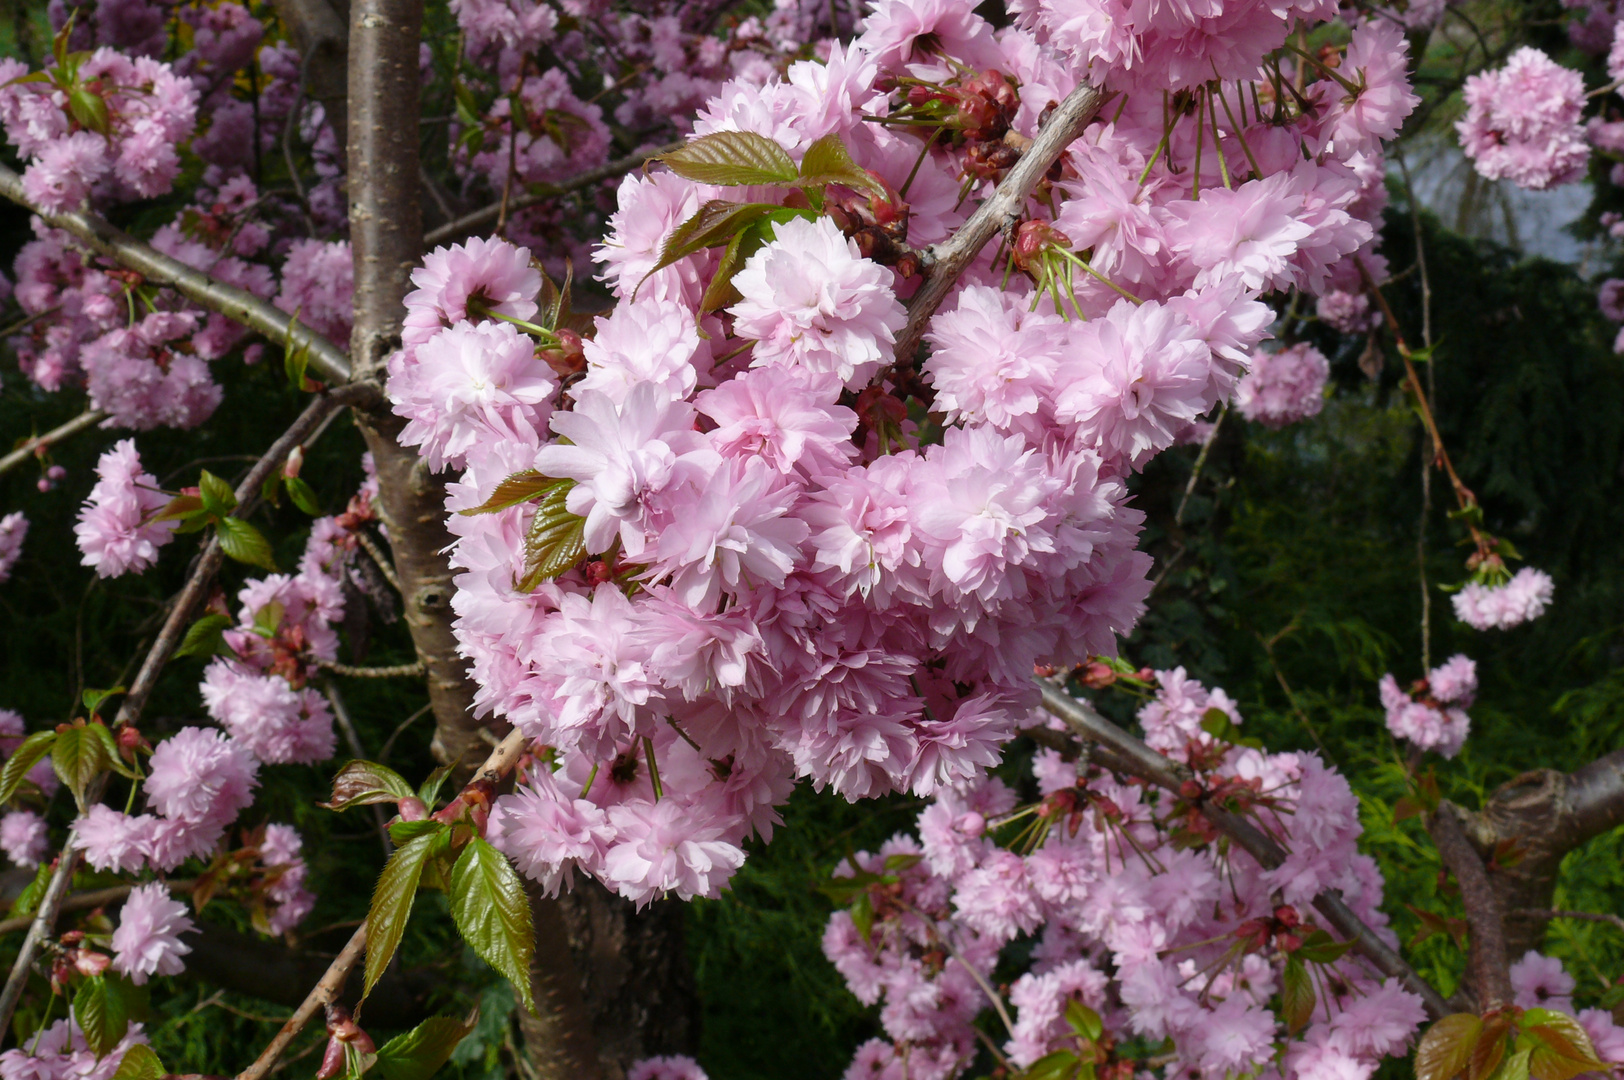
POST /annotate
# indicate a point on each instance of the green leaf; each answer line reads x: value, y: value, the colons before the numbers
x: 1515, y: 1067
x: 218, y: 498
x: 27, y: 901
x: 520, y: 487
x: 115, y: 760
x: 89, y: 109
x: 828, y: 162
x: 418, y: 1054
x: 555, y: 541
x: 1296, y: 995
x: 492, y: 913
x: 102, y: 1012
x: 93, y: 698
x: 268, y: 619
x: 402, y: 832
x: 716, y: 223
x: 430, y: 789
x: 78, y: 757
x: 26, y: 756
x: 731, y: 158
x: 295, y: 363
x: 1084, y: 1021
x: 392, y: 905
x: 206, y: 637
x: 1447, y: 1046
x: 1321, y: 948
x: 362, y: 783
x: 140, y: 1063
x: 1056, y: 1066
x: 245, y: 543
x: 862, y: 914
x: 303, y: 497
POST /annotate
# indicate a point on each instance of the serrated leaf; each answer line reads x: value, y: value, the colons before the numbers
x: 1447, y: 1046
x: 102, y: 1013
x: 245, y: 543
x: 92, y: 699
x: 720, y: 292
x: 519, y: 487
x: 392, y: 905
x: 24, y: 758
x: 731, y: 158
x: 403, y: 832
x: 1056, y: 1066
x: 218, y: 498
x: 1296, y: 995
x: 555, y: 541
x: 419, y: 1053
x: 303, y: 496
x: 1562, y: 1048
x: 206, y: 637
x: 492, y: 913
x: 1515, y: 1067
x: 115, y: 760
x: 715, y: 223
x: 430, y: 789
x: 140, y: 1062
x: 362, y: 783
x: 1084, y: 1021
x: 827, y: 161
x: 78, y: 757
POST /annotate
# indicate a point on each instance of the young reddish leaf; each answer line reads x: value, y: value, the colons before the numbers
x: 827, y: 161
x: 715, y: 223
x: 392, y: 905
x: 1562, y: 1048
x: 24, y: 758
x: 492, y: 913
x: 181, y: 506
x: 1490, y: 1048
x: 556, y: 539
x: 1296, y: 995
x: 362, y: 783
x: 518, y: 488
x: 731, y: 158
x: 1447, y: 1046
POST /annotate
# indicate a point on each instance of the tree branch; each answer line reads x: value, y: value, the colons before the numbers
x: 1488, y: 982
x: 88, y: 418
x: 1137, y: 759
x: 237, y: 304
x: 469, y: 223
x: 321, y: 33
x: 998, y: 212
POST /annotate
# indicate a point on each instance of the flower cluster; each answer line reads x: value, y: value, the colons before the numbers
x: 13, y: 530
x: 710, y: 549
x: 1281, y: 388
x: 102, y: 119
x: 60, y: 1052
x: 1141, y: 927
x: 1500, y: 607
x: 116, y: 531
x: 1522, y: 122
x: 1432, y: 715
x: 147, y: 941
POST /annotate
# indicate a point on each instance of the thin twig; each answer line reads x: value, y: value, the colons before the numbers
x: 1587, y: 916
x: 399, y: 671
x: 385, y: 566
x: 94, y: 898
x: 468, y: 223
x: 1200, y: 460
x: 87, y: 419
x: 389, y: 743
x: 1136, y: 759
x: 999, y: 212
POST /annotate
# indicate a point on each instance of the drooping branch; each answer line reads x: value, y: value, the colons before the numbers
x: 237, y: 304
x: 1133, y: 757
x: 999, y: 212
x: 87, y: 419
x: 473, y: 221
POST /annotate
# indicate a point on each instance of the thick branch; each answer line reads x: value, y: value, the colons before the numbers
x: 470, y: 223
x: 998, y: 213
x: 1595, y: 799
x: 88, y: 418
x: 234, y: 303
x: 1488, y: 981
x: 1137, y: 759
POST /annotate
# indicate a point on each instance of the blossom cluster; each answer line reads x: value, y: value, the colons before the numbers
x: 1523, y: 598
x: 1522, y: 122
x: 1138, y: 921
x: 117, y: 531
x: 773, y: 569
x: 1432, y: 714
x: 1283, y: 387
